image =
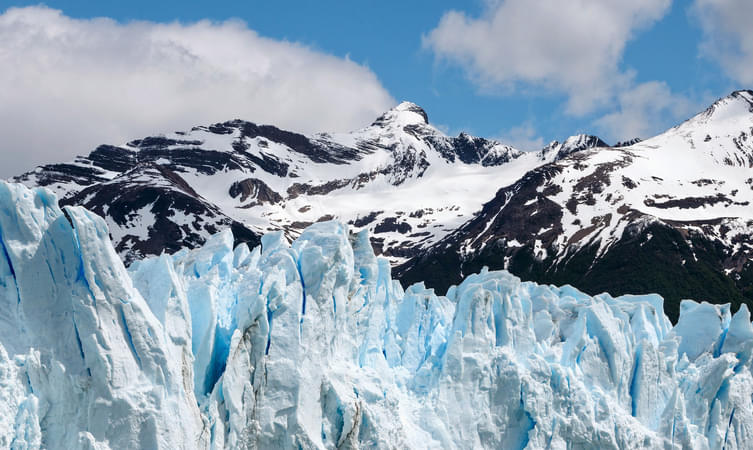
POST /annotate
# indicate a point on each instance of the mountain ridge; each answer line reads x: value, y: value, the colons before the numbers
x: 400, y: 144
x: 423, y: 194
x: 691, y: 185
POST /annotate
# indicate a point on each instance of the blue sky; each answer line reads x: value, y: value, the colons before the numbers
x: 666, y: 57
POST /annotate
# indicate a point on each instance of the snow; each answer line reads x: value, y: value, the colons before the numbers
x: 676, y: 165
x: 696, y: 172
x: 313, y: 345
x: 398, y: 173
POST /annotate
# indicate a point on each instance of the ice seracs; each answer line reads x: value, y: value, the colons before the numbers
x: 313, y: 345
x: 85, y: 361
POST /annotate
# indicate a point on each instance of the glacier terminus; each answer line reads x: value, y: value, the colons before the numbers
x: 313, y: 345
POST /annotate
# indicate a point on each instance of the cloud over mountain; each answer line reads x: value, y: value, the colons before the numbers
x: 70, y: 84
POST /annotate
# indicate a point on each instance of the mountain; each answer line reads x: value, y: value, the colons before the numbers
x: 670, y: 214
x: 314, y: 345
x: 401, y: 178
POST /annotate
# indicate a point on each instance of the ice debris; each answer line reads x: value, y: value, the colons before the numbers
x: 313, y: 345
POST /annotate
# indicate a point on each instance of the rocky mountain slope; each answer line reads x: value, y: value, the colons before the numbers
x: 671, y: 214
x: 401, y: 178
x: 314, y: 346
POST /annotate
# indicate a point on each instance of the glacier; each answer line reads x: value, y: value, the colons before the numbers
x: 314, y: 345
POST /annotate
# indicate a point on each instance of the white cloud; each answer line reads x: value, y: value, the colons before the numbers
x: 643, y: 111
x: 523, y: 137
x: 727, y: 35
x: 572, y: 47
x: 69, y: 84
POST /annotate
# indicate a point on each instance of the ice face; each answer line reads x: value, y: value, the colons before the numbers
x: 313, y: 345
x: 84, y: 358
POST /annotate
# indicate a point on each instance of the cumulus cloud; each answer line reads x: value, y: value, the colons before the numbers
x: 727, y: 35
x: 70, y: 84
x: 644, y: 110
x: 572, y: 48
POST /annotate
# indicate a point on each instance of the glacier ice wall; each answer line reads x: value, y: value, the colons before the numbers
x: 84, y: 361
x: 313, y: 345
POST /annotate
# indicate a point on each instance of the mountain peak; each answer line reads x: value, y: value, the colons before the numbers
x: 746, y: 94
x: 582, y: 141
x: 734, y: 106
x: 573, y: 144
x: 721, y: 133
x: 406, y: 113
x: 412, y: 107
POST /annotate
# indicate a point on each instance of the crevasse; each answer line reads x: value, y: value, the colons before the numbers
x: 209, y: 349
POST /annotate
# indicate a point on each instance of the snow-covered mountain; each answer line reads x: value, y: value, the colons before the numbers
x: 401, y: 178
x: 670, y: 214
x: 313, y: 345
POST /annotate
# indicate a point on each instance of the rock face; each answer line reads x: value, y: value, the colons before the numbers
x: 671, y: 214
x: 313, y: 345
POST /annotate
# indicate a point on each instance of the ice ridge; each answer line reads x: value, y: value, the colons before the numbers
x: 313, y: 345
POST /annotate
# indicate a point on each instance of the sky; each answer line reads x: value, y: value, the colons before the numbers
x: 77, y: 74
